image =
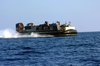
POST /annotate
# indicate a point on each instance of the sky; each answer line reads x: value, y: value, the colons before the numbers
x: 83, y: 14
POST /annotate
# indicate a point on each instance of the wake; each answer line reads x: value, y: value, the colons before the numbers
x: 9, y: 33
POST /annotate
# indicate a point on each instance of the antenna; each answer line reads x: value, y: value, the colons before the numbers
x: 69, y: 22
x: 65, y: 23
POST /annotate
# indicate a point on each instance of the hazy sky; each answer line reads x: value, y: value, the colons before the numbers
x: 83, y: 14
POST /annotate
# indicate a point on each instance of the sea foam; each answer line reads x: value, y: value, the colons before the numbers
x: 9, y: 33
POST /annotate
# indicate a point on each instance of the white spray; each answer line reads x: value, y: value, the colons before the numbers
x: 9, y: 33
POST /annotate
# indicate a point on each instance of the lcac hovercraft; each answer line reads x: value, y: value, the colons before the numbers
x: 55, y: 29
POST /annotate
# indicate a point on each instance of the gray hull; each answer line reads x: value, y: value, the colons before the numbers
x: 54, y: 33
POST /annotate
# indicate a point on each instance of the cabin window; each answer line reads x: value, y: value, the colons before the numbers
x: 48, y: 27
x: 37, y: 28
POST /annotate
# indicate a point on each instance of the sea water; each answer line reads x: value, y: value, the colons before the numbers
x: 38, y: 50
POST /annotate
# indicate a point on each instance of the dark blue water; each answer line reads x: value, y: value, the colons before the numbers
x: 80, y: 50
